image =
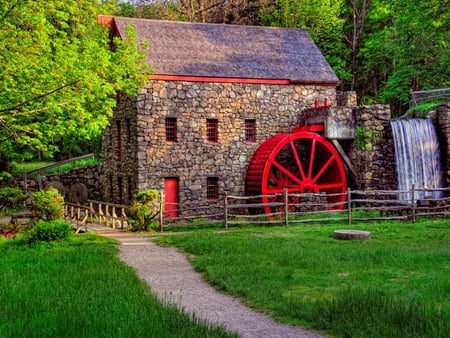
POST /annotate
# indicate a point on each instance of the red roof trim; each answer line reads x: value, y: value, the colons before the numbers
x: 106, y: 20
x: 236, y: 80
x: 217, y: 79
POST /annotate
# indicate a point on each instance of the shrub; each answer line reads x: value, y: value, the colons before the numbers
x: 11, y: 197
x: 143, y: 209
x: 47, y: 204
x: 47, y: 231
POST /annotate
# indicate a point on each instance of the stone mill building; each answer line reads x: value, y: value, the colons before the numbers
x: 217, y: 92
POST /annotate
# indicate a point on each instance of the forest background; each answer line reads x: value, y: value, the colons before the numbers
x: 59, y: 76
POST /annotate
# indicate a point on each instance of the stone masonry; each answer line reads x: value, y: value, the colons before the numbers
x: 372, y: 152
x: 146, y: 158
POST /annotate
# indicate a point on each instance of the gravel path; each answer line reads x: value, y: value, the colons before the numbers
x: 172, y: 278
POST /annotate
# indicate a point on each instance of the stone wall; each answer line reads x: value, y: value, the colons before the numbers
x: 121, y: 158
x: 76, y: 185
x: 147, y: 158
x: 346, y: 99
x: 372, y: 152
x: 442, y: 123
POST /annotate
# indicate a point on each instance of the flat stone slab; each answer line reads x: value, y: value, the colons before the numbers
x: 351, y: 235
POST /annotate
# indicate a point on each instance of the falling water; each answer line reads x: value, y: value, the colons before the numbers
x: 417, y: 156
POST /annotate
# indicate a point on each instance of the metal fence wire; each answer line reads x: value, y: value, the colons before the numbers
x: 423, y: 96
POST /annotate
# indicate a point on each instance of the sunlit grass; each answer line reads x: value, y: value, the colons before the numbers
x: 397, y: 284
x: 79, y: 288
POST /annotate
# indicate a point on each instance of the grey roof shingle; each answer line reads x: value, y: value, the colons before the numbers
x: 231, y: 51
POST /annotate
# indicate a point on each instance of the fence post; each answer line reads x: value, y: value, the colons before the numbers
x: 286, y: 206
x: 349, y: 206
x: 25, y: 181
x: 225, y: 209
x: 413, y: 207
x: 161, y: 210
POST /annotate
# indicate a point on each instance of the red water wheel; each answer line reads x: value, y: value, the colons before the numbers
x: 302, y: 162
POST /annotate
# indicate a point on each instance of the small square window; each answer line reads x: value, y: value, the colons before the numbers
x: 250, y: 130
x: 212, y: 133
x: 212, y: 188
x: 171, y: 129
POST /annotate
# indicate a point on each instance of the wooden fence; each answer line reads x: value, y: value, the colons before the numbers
x: 107, y: 214
x: 286, y: 208
x: 357, y: 206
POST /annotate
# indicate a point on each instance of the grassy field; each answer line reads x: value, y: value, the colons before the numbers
x: 395, y: 285
x: 79, y: 288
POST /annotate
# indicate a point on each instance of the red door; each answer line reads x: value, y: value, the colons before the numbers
x: 171, y: 193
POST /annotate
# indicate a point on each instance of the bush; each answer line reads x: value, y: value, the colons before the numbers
x: 143, y: 209
x: 47, y: 231
x: 11, y: 197
x: 47, y: 204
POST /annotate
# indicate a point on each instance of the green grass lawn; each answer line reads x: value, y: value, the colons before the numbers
x: 395, y: 285
x: 79, y: 288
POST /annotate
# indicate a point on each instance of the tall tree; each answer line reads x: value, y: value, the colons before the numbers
x: 59, y: 76
x: 244, y: 12
x: 355, y: 14
x: 407, y: 48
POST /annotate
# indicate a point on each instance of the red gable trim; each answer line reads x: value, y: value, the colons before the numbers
x: 217, y: 79
x: 236, y: 80
x: 106, y: 20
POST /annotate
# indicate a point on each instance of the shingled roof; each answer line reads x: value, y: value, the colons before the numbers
x: 229, y: 51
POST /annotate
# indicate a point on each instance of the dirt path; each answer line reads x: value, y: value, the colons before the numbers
x: 172, y: 278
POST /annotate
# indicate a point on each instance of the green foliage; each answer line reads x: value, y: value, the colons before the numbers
x: 365, y: 138
x: 423, y: 110
x: 143, y: 209
x: 11, y: 197
x: 59, y: 76
x: 4, y: 175
x: 405, y: 47
x: 48, y: 231
x: 47, y: 204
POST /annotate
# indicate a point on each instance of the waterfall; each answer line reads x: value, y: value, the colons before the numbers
x: 418, y: 158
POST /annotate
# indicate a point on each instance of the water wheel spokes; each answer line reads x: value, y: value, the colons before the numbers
x: 302, y: 162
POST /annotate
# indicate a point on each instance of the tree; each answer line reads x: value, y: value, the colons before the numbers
x: 59, y: 75
x: 406, y: 48
x: 212, y: 11
x: 355, y: 18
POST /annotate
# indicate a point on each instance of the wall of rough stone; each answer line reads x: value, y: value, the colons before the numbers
x: 74, y: 184
x: 121, y: 155
x: 372, y: 153
x: 442, y: 123
x: 149, y: 159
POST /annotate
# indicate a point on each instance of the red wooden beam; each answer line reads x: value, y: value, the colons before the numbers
x: 217, y: 79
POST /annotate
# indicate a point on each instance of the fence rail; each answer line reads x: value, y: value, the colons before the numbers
x: 286, y: 208
x: 419, y: 97
x: 376, y: 205
x: 107, y: 214
x: 51, y: 166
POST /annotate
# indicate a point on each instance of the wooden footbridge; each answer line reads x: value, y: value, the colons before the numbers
x: 108, y: 215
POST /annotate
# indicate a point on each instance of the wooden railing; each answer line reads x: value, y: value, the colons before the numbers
x: 54, y: 165
x: 107, y: 214
x: 78, y: 216
x: 376, y: 205
x: 357, y: 206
